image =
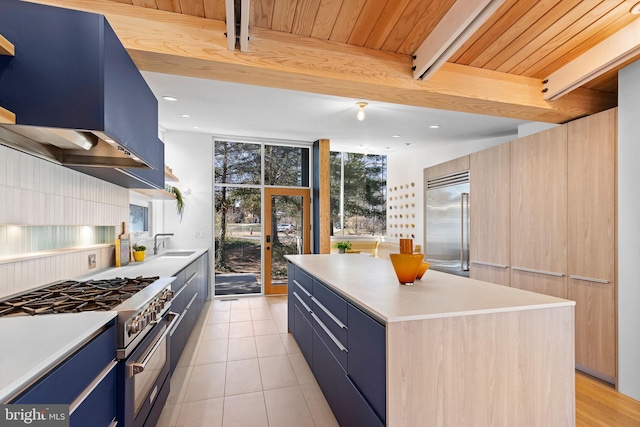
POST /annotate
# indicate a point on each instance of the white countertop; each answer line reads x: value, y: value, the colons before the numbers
x: 155, y: 265
x: 33, y: 345
x: 372, y: 284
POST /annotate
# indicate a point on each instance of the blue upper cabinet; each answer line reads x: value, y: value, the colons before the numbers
x: 70, y: 71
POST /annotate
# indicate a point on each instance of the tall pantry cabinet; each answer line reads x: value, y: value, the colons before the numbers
x: 489, y: 201
x: 539, y: 212
x: 543, y: 218
x: 592, y: 247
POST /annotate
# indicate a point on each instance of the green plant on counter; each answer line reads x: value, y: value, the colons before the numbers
x: 343, y: 246
x: 179, y: 199
x: 138, y: 248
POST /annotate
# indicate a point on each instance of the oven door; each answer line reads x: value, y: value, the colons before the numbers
x: 144, y: 374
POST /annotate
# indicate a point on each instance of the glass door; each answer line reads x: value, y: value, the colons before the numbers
x: 286, y: 232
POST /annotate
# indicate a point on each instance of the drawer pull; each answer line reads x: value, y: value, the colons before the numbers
x: 328, y: 332
x: 589, y: 279
x: 87, y: 391
x: 546, y: 273
x: 330, y: 314
x: 306, y: 307
x: 302, y: 289
x: 488, y: 264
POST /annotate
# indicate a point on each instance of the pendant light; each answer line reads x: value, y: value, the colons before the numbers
x: 361, y: 106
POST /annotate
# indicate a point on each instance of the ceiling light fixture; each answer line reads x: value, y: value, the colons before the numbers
x: 361, y: 106
x: 186, y: 116
x: 195, y: 127
x: 170, y: 98
x: 434, y: 127
x: 395, y: 136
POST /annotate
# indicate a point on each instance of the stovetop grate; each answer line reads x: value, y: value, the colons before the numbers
x: 74, y: 296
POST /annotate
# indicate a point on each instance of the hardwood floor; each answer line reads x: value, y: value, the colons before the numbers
x: 599, y: 405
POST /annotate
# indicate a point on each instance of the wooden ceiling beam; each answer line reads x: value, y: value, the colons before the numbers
x: 170, y: 43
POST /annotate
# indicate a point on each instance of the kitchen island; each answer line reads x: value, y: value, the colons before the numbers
x: 452, y: 351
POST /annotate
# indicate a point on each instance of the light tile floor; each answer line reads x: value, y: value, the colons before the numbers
x: 241, y: 368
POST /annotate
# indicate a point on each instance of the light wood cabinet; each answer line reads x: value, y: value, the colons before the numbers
x: 592, y: 246
x: 538, y: 214
x: 446, y: 168
x: 489, y: 201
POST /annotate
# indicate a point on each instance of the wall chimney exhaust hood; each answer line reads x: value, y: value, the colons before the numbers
x: 79, y: 99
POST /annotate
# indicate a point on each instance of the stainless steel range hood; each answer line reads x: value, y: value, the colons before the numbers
x: 79, y: 99
x: 67, y: 147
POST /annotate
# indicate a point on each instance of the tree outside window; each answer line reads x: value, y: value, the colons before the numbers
x: 358, y: 194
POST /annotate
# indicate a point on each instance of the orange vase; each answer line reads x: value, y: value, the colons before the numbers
x: 406, y: 266
x: 423, y: 269
x: 406, y: 246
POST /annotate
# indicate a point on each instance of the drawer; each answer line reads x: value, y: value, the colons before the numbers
x: 99, y: 407
x: 67, y: 381
x: 303, y: 333
x: 330, y: 322
x: 329, y: 302
x: 367, y: 358
x: 304, y: 280
x: 192, y: 269
x: 302, y: 293
x: 181, y: 278
x: 336, y: 346
x: 347, y: 403
x: 179, y: 301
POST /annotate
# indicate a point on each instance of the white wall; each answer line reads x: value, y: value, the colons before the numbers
x: 408, y: 167
x: 629, y: 231
x: 190, y: 155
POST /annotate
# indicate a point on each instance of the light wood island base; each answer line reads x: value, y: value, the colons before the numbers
x: 455, y: 351
x: 503, y: 369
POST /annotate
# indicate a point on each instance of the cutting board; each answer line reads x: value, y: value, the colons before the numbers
x: 123, y: 247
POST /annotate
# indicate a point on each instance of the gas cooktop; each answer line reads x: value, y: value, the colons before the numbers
x: 75, y: 296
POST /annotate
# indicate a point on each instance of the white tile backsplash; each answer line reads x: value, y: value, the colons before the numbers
x: 38, y: 192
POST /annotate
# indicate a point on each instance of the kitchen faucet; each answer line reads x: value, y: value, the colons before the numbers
x: 155, y: 241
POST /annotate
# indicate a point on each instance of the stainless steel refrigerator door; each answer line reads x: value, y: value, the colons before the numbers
x: 447, y: 245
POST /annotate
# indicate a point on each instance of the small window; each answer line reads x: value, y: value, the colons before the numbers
x: 138, y: 218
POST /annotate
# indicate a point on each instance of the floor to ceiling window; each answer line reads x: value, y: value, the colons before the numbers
x: 358, y: 194
x: 243, y: 232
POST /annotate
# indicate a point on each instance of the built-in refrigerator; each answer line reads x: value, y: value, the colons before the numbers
x: 447, y: 223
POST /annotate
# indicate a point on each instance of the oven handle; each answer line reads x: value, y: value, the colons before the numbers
x: 137, y: 367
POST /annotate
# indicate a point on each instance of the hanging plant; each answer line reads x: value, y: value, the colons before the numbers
x: 179, y: 199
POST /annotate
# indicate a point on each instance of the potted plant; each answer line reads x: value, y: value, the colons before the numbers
x: 343, y: 246
x: 139, y: 252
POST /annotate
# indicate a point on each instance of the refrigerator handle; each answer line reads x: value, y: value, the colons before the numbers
x: 464, y: 238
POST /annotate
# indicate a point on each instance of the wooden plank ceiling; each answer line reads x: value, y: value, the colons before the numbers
x: 524, y: 38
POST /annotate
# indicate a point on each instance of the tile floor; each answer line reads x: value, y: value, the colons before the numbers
x: 241, y: 368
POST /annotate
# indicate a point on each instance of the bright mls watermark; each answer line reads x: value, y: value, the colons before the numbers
x: 34, y: 415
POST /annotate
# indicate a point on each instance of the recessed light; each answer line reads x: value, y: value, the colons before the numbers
x: 434, y: 127
x: 170, y: 98
x: 185, y: 115
x: 395, y: 136
x: 196, y: 127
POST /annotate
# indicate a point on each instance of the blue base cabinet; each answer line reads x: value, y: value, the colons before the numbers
x: 345, y: 348
x: 191, y: 289
x: 72, y: 382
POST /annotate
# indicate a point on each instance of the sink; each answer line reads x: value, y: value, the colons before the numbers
x: 178, y: 254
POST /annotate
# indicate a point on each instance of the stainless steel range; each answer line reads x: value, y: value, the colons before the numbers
x: 143, y: 325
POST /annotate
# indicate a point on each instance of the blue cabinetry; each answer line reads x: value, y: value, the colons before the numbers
x: 345, y: 348
x: 86, y: 381
x: 72, y: 72
x: 191, y: 290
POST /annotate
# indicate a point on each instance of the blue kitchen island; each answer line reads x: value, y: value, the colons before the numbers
x: 447, y: 351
